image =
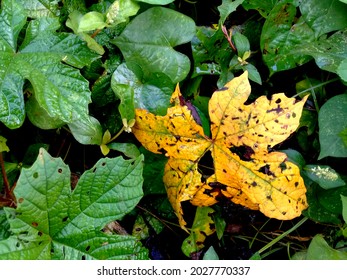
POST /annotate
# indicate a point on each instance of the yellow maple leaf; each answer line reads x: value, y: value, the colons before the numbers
x: 259, y: 179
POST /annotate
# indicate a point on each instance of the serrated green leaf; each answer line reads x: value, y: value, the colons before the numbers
x: 227, y: 7
x: 59, y: 89
x: 51, y: 222
x: 87, y: 131
x: 332, y: 120
x: 153, y: 33
x: 41, y: 8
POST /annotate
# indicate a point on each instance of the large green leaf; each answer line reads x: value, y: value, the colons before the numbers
x: 319, y: 249
x: 52, y: 222
x: 332, y: 121
x: 149, y: 39
x: 59, y: 88
x: 41, y: 8
x: 324, y: 16
x: 282, y: 33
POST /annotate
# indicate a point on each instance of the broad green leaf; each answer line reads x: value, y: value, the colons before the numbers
x: 120, y: 11
x: 4, y: 226
x: 324, y: 175
x: 41, y: 8
x: 227, y: 7
x: 87, y: 130
x: 202, y: 227
x: 59, y: 88
x: 319, y: 249
x: 39, y: 116
x: 332, y: 121
x: 128, y: 149
x: 153, y: 95
x: 52, y: 222
x: 3, y: 146
x: 324, y: 16
x: 282, y: 33
x: 328, y: 53
x: 295, y: 157
x: 344, y: 208
x: 153, y: 33
x: 342, y: 70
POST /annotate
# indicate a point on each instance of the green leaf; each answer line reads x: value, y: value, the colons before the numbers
x: 211, y: 254
x: 153, y: 95
x: 120, y: 11
x: 324, y: 176
x: 41, y: 8
x: 3, y: 146
x: 128, y: 149
x: 125, y: 93
x: 282, y: 33
x: 342, y: 70
x: 59, y: 88
x: 227, y: 7
x: 201, y: 228
x: 343, y: 135
x: 344, y: 208
x: 320, y: 250
x: 295, y: 157
x: 4, y: 226
x: 263, y: 7
x: 87, y: 131
x: 51, y: 222
x: 91, y: 21
x: 324, y: 16
x: 328, y: 53
x: 153, y: 33
x: 332, y: 121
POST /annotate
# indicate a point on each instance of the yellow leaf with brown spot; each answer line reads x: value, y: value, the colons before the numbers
x: 244, y: 170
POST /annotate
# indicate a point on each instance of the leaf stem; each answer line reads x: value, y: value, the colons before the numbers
x: 284, y: 234
x: 116, y: 136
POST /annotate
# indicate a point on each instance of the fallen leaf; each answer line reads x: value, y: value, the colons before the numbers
x: 244, y: 170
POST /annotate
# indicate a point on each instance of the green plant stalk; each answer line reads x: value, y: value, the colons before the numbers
x: 284, y: 234
x: 317, y: 86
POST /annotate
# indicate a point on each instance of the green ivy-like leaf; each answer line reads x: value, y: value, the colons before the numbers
x: 87, y: 131
x: 332, y: 121
x: 51, y: 222
x: 154, y: 33
x: 319, y: 249
x: 59, y: 88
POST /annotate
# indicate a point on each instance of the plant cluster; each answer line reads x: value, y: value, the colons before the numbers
x: 123, y: 122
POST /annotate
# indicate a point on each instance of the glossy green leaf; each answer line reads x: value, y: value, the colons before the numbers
x: 328, y: 53
x: 128, y: 149
x: 332, y: 121
x: 227, y: 7
x: 52, y: 222
x: 153, y: 95
x: 153, y: 33
x: 87, y: 131
x: 91, y: 21
x: 319, y: 249
x: 324, y: 176
x: 324, y: 16
x: 41, y: 8
x: 59, y: 88
x: 282, y: 33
